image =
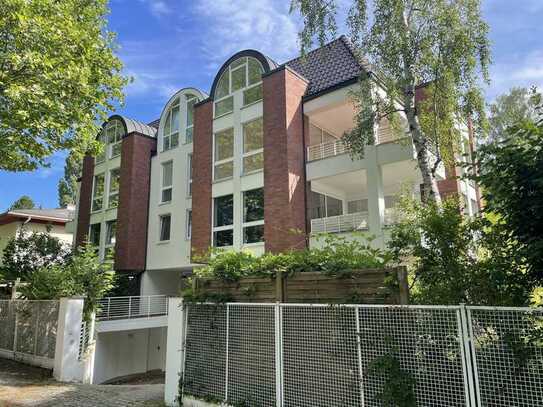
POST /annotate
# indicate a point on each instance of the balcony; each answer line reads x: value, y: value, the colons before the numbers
x: 132, y: 307
x: 325, y: 150
x: 341, y: 223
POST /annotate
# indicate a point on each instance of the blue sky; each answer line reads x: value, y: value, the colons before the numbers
x: 170, y: 44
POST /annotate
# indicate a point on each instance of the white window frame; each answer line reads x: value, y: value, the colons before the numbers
x: 100, y: 158
x: 165, y: 187
x: 160, y: 220
x: 228, y: 71
x: 118, y: 138
x: 188, y: 228
x: 245, y: 224
x: 111, y: 193
x: 99, y: 234
x: 109, y: 245
x: 103, y: 175
x: 189, y: 175
x: 169, y: 117
x: 190, y: 98
x: 222, y: 228
x: 225, y: 160
x: 252, y: 152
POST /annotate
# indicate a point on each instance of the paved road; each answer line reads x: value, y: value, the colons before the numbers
x: 22, y: 385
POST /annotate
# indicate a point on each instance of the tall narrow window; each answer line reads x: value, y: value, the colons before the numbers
x: 94, y: 234
x: 111, y: 230
x: 253, y: 146
x: 224, y: 154
x: 191, y: 101
x: 113, y: 195
x: 323, y: 206
x: 189, y: 173
x: 170, y: 132
x: 167, y: 181
x: 189, y: 224
x: 253, y: 216
x: 98, y: 192
x: 223, y: 221
x: 100, y: 158
x: 165, y: 225
x: 114, y: 133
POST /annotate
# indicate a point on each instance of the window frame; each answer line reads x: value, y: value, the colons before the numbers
x: 215, y: 229
x: 228, y: 71
x: 224, y: 160
x: 108, y: 244
x: 99, y: 226
x: 189, y: 99
x: 251, y: 153
x: 161, y: 218
x: 111, y: 146
x: 169, y: 119
x: 166, y: 187
x: 94, y: 197
x: 188, y: 227
x: 115, y: 193
x: 189, y: 175
x: 101, y: 158
x: 247, y: 224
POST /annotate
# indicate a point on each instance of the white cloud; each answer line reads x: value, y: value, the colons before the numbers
x: 526, y: 71
x: 230, y: 26
x: 158, y: 8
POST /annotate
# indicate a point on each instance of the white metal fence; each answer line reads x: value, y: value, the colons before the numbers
x: 29, y: 328
x: 363, y: 355
x: 340, y: 223
x: 132, y: 307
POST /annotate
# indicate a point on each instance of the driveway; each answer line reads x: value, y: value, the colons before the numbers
x: 22, y: 385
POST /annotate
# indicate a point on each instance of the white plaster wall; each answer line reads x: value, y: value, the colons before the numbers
x: 176, y: 252
x: 161, y: 282
x: 128, y: 352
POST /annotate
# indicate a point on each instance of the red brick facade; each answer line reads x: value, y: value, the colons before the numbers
x: 284, y: 165
x: 85, y: 201
x: 202, y: 177
x: 133, y: 210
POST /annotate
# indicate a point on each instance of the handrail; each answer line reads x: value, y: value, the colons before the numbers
x: 129, y: 307
x: 340, y: 223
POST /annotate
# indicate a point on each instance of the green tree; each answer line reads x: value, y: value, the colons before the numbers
x: 24, y: 202
x: 511, y: 180
x: 83, y: 275
x: 67, y: 185
x: 441, y: 44
x: 29, y: 251
x: 59, y: 77
x: 509, y: 109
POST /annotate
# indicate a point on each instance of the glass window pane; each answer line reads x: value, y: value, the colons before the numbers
x: 253, y: 205
x: 167, y: 174
x: 252, y: 95
x: 334, y: 207
x: 113, y: 200
x: 167, y: 195
x: 224, y: 145
x: 391, y: 201
x: 111, y: 231
x: 238, y: 62
x: 165, y: 227
x: 189, y: 223
x: 255, y: 71
x: 175, y: 118
x: 223, y: 238
x: 222, y: 88
x: 317, y: 203
x: 190, y: 111
x: 253, y: 136
x: 359, y: 205
x: 94, y: 234
x: 225, y: 170
x: 167, y: 124
x: 114, y: 178
x: 239, y: 80
x: 98, y: 192
x: 224, y: 211
x: 166, y: 143
x: 116, y: 149
x: 174, y: 140
x: 253, y: 234
x: 253, y: 162
x: 224, y: 106
x: 188, y: 134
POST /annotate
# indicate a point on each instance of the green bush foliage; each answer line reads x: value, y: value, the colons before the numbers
x: 336, y: 256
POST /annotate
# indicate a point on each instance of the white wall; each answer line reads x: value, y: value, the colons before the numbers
x: 129, y: 352
x: 161, y: 282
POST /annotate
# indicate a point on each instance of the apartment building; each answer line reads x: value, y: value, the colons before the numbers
x: 258, y: 164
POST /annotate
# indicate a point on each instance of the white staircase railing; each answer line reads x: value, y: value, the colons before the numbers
x: 132, y: 307
x: 341, y: 223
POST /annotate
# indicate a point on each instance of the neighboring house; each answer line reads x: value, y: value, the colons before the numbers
x: 243, y: 168
x: 35, y: 220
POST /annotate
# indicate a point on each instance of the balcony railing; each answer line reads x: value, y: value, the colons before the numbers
x: 324, y: 150
x: 112, y: 308
x: 341, y: 223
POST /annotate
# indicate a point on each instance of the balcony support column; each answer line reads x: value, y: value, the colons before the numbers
x: 376, y: 197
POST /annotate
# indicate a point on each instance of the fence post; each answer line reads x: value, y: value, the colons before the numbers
x: 468, y: 362
x: 70, y: 318
x: 278, y: 355
x: 175, y: 351
x: 359, y: 356
x: 279, y: 287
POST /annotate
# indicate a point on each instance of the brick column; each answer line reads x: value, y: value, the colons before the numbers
x: 201, y: 177
x: 284, y: 161
x: 133, y: 210
x: 85, y: 201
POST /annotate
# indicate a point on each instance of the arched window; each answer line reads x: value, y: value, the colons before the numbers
x: 111, y: 137
x: 170, y: 130
x: 243, y: 74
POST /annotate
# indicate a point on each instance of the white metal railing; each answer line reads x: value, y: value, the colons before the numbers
x: 132, y: 307
x: 341, y: 223
x: 391, y: 216
x: 324, y: 150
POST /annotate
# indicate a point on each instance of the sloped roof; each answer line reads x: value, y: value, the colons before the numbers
x: 139, y: 127
x: 60, y: 215
x: 329, y: 66
x: 154, y: 123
